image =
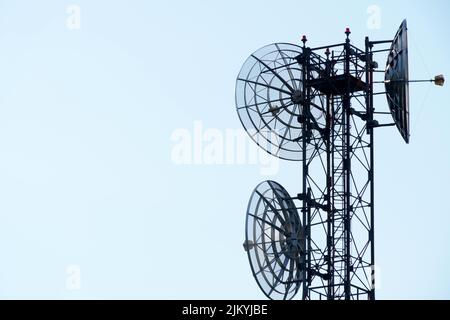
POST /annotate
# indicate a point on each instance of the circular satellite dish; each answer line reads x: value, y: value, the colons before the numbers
x: 269, y: 91
x: 397, y: 81
x: 275, y: 241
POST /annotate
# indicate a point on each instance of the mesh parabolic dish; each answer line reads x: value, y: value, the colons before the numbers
x: 268, y: 83
x: 396, y: 81
x: 275, y: 241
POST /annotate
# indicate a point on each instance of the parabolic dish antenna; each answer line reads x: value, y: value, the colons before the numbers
x: 275, y: 241
x: 397, y: 81
x: 269, y: 100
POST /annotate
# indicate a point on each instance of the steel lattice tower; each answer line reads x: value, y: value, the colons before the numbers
x: 320, y: 242
x: 338, y: 185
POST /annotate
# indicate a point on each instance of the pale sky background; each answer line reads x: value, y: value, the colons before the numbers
x: 86, y: 118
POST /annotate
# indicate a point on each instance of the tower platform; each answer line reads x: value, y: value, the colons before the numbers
x: 337, y: 85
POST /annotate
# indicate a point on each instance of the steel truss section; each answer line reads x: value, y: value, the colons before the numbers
x: 338, y: 187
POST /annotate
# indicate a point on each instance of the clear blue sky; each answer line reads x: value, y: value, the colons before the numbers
x: 86, y: 118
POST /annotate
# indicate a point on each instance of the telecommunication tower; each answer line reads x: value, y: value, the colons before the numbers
x: 316, y: 106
